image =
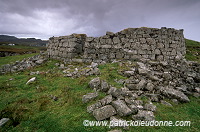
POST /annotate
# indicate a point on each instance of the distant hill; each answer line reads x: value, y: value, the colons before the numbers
x: 5, y: 39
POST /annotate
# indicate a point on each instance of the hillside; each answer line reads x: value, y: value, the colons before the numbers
x: 5, y: 39
x: 53, y: 102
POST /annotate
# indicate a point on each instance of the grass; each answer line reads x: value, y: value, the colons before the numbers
x: 12, y: 59
x: 20, y: 48
x: 31, y: 108
x: 193, y: 50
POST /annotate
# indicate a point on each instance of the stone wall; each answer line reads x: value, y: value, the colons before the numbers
x: 130, y: 44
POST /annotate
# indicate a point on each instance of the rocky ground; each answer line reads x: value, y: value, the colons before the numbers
x: 146, y: 82
x: 154, y: 81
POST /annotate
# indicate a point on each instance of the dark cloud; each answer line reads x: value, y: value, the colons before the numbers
x: 46, y: 18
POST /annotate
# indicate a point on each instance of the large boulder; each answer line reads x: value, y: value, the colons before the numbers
x: 121, y: 108
x: 104, y: 112
x: 172, y: 93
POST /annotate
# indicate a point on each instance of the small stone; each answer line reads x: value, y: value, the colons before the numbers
x: 150, y: 107
x: 40, y: 61
x: 86, y: 98
x: 149, y: 86
x: 110, y: 33
x: 144, y: 115
x: 31, y: 80
x: 141, y: 84
x: 172, y: 93
x: 165, y: 103
x: 175, y: 101
x: 121, y: 108
x: 95, y: 83
x: 104, y: 112
x: 129, y: 73
x: 104, y: 86
x: 115, y: 130
x: 3, y: 121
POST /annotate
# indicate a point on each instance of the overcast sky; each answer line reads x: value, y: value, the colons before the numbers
x: 47, y: 18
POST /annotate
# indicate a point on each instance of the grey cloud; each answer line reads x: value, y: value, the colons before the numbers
x: 94, y: 17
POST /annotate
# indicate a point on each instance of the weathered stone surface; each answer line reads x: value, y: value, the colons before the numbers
x: 115, y: 130
x: 149, y: 86
x: 40, y: 61
x: 3, y: 121
x: 150, y: 107
x: 172, y: 93
x: 104, y: 112
x: 165, y: 103
x: 106, y: 100
x: 24, y: 64
x: 95, y: 83
x: 104, y: 86
x: 135, y: 43
x: 86, y: 98
x: 31, y: 80
x: 129, y: 73
x: 144, y: 115
x: 141, y: 84
x: 121, y: 108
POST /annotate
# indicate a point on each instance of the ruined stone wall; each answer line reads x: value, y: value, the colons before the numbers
x: 133, y: 43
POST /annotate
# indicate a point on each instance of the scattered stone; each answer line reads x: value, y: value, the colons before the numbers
x: 115, y: 130
x: 175, y: 101
x: 129, y: 73
x: 95, y: 83
x: 31, y: 80
x: 40, y: 61
x: 54, y: 97
x: 150, y: 107
x: 144, y: 115
x: 165, y: 103
x: 104, y: 86
x: 93, y: 65
x: 106, y: 100
x: 104, y: 112
x: 141, y: 84
x: 86, y: 98
x: 57, y: 64
x: 111, y: 90
x: 197, y: 95
x: 3, y: 121
x: 121, y: 108
x: 172, y: 93
x: 149, y: 86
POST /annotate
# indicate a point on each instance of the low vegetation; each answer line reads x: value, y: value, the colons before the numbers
x: 20, y: 49
x: 32, y: 108
x: 193, y: 50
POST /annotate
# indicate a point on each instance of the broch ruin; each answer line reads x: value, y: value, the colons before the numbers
x: 153, y: 62
x: 129, y: 44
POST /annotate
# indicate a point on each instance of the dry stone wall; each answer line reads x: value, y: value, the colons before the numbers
x: 133, y: 43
